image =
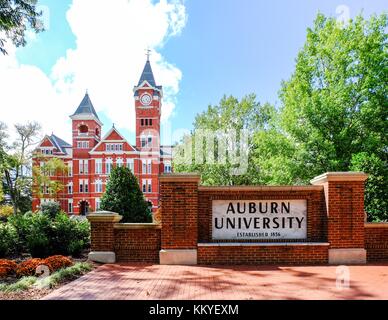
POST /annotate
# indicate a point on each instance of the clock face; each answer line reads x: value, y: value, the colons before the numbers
x: 145, y: 99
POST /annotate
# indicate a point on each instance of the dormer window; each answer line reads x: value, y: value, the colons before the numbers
x: 47, y: 151
x: 114, y: 147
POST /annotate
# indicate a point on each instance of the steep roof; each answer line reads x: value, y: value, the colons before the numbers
x: 59, y: 143
x: 147, y: 75
x: 86, y: 107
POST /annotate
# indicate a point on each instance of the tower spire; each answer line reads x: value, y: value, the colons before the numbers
x: 147, y: 74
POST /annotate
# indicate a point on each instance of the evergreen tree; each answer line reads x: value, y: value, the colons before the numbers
x: 123, y: 195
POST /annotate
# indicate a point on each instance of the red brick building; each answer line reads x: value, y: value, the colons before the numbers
x: 91, y: 157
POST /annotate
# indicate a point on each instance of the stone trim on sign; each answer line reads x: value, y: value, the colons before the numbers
x: 179, y: 177
x: 261, y: 188
x: 339, y: 176
x: 376, y: 225
x: 261, y: 244
x: 131, y: 226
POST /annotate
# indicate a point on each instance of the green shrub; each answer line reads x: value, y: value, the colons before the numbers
x: 63, y: 230
x: 69, y: 236
x: 82, y: 231
x: 76, y: 247
x: 51, y: 209
x: 8, y: 239
x: 22, y: 224
x: 37, y: 238
x: 38, y: 244
x: 43, y: 236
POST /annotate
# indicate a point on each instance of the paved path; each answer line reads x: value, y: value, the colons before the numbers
x: 224, y: 282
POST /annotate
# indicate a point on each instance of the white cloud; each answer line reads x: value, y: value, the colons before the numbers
x: 111, y: 38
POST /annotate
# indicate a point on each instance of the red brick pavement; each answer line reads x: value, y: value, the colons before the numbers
x: 141, y: 282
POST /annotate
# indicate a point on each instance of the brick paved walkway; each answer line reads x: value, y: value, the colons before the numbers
x: 224, y: 282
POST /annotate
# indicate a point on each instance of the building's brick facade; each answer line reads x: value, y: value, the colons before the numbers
x: 90, y: 157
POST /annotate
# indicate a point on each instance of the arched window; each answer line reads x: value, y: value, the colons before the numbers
x: 119, y: 162
x: 108, y: 165
x: 83, y: 129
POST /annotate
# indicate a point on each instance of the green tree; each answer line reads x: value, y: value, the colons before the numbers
x: 44, y: 175
x: 376, y: 190
x: 245, y: 117
x: 15, y: 166
x: 123, y: 195
x: 335, y: 104
x: 15, y: 17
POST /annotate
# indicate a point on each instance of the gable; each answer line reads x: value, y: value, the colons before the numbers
x: 114, y: 135
x: 46, y: 142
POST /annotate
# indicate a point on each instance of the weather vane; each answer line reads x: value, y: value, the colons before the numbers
x: 148, y: 54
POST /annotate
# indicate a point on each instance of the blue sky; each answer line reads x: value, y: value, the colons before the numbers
x: 226, y: 47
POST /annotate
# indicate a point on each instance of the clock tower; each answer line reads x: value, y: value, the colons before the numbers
x: 148, y: 104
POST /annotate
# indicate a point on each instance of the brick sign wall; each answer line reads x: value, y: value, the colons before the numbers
x: 327, y: 218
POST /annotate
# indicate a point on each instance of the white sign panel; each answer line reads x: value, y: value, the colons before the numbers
x: 259, y: 219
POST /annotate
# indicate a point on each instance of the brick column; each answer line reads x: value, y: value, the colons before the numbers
x: 102, y: 236
x: 344, y: 196
x: 179, y: 207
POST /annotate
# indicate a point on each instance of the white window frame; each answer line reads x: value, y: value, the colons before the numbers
x: 98, y: 204
x: 131, y: 164
x: 82, y: 144
x: 119, y: 162
x: 144, y: 166
x: 143, y: 141
x: 80, y: 167
x: 98, y: 166
x: 70, y: 207
x: 149, y: 186
x: 167, y: 167
x: 98, y: 186
x: 70, y: 168
x: 149, y: 165
x: 108, y: 164
x: 70, y: 188
x: 113, y: 147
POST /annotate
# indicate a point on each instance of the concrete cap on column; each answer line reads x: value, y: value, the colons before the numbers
x: 180, y: 177
x: 339, y: 176
x: 104, y: 216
